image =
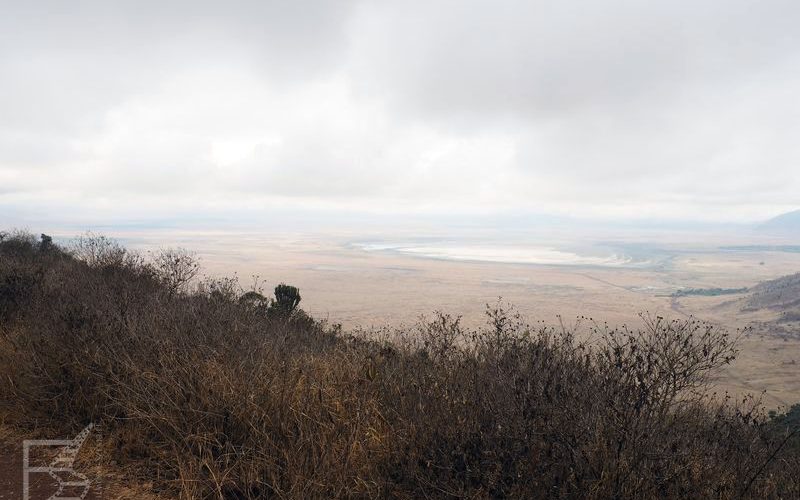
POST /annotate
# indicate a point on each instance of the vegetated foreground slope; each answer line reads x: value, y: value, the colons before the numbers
x: 212, y: 392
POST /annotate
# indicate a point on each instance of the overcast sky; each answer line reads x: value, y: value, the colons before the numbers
x: 143, y: 109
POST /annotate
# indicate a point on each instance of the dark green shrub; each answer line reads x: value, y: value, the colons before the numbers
x: 255, y: 300
x: 287, y: 298
x: 46, y: 243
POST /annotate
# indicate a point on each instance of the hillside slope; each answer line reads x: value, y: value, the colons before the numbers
x: 784, y: 223
x: 781, y: 295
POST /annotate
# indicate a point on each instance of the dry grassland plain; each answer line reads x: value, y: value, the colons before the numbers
x: 374, y: 285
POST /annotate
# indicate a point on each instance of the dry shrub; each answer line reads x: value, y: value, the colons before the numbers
x: 210, y: 396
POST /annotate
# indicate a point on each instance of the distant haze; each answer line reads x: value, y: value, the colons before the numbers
x: 145, y: 112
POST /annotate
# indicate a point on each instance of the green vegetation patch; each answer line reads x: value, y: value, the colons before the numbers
x: 708, y: 292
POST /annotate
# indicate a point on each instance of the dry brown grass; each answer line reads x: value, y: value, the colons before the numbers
x: 209, y: 396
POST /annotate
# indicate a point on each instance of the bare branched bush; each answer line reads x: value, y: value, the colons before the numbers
x: 176, y: 268
x: 440, y: 336
x: 667, y: 359
x: 99, y: 251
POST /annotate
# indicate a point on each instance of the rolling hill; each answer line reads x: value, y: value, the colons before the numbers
x: 784, y: 223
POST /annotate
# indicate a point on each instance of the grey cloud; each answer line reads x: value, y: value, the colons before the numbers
x: 505, y: 105
x: 539, y: 59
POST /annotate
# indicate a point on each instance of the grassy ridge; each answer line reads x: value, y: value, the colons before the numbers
x: 214, y: 393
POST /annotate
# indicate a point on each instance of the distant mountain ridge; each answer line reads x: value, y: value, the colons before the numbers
x: 788, y: 222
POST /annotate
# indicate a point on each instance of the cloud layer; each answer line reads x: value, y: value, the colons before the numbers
x: 592, y: 108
